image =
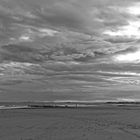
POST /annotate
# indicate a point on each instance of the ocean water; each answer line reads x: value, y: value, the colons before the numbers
x: 12, y: 107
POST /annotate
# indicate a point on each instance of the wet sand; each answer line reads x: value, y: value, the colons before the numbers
x: 97, y: 123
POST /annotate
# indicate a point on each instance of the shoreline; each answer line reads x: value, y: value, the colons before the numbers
x: 66, y: 105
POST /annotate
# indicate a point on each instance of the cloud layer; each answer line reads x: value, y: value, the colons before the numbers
x: 69, y: 49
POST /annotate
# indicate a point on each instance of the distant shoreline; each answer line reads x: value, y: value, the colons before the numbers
x: 44, y: 105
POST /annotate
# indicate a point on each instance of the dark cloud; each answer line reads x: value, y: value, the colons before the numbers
x: 76, y: 15
x: 120, y: 40
x: 127, y: 50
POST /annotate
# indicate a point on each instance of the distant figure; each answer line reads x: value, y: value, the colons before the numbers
x: 66, y: 106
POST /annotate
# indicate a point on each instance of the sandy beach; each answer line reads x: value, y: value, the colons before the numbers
x: 96, y: 123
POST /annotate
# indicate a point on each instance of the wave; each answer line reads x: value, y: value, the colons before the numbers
x: 12, y: 107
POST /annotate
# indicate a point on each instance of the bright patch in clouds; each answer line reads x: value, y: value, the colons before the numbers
x: 131, y: 30
x: 120, y: 73
x: 126, y: 100
x: 133, y: 57
x: 25, y: 38
x: 47, y: 32
x: 135, y: 9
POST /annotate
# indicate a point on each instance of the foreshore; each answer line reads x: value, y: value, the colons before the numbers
x: 62, y: 123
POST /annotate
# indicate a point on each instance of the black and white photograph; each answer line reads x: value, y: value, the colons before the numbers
x: 69, y: 69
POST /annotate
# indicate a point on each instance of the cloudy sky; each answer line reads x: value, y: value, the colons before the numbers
x: 69, y: 50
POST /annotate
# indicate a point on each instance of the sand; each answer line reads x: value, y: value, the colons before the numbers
x: 97, y: 123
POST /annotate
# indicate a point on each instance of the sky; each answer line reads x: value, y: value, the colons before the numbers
x: 69, y: 50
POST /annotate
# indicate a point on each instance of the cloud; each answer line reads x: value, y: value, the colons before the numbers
x: 130, y: 31
x: 119, y: 40
x: 81, y: 16
x: 15, y: 68
x: 126, y: 73
x: 130, y: 57
x: 134, y: 9
x: 126, y: 100
x: 79, y: 49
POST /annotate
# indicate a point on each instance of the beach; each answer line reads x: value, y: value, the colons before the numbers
x: 95, y: 123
